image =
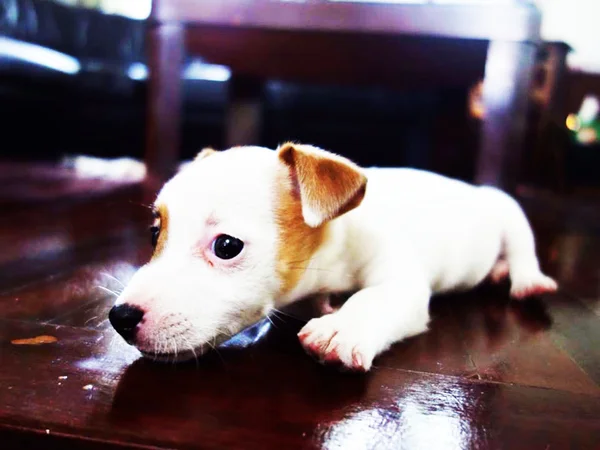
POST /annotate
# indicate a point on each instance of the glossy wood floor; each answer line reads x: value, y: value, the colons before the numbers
x: 490, y: 374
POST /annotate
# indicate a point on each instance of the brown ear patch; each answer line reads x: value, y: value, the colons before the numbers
x: 297, y: 242
x: 162, y: 221
x: 329, y: 185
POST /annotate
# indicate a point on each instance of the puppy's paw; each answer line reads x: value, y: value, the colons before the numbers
x: 533, y: 285
x: 333, y: 340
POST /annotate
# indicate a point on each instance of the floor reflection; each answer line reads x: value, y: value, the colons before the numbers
x: 424, y: 414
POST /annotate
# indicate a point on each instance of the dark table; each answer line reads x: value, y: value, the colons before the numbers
x: 392, y: 45
x: 489, y: 374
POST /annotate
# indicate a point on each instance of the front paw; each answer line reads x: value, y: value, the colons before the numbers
x: 532, y: 285
x: 332, y: 339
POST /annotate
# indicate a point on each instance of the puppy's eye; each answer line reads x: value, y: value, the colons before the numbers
x: 155, y: 231
x: 227, y: 247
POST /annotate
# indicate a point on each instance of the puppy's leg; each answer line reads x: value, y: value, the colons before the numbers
x: 322, y: 304
x: 369, y: 322
x: 526, y: 277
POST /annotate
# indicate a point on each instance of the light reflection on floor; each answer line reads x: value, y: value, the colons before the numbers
x: 420, y: 415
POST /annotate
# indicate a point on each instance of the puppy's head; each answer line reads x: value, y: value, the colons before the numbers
x: 232, y: 234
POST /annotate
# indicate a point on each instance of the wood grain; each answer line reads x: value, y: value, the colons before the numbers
x: 489, y: 374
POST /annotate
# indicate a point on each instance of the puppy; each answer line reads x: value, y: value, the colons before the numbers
x: 240, y: 232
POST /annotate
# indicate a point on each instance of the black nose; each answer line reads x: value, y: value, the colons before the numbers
x: 124, y: 318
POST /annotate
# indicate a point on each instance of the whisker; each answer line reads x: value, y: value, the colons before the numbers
x: 272, y: 323
x: 165, y: 342
x: 159, y: 344
x: 112, y: 277
x: 299, y: 265
x: 278, y: 311
x: 116, y: 294
x: 141, y: 204
x: 89, y: 320
x: 224, y: 332
x: 174, y: 343
x: 216, y: 350
x: 191, y: 348
x: 276, y: 316
x: 99, y: 325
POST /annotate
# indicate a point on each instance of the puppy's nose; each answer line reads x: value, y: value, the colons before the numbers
x: 125, y: 318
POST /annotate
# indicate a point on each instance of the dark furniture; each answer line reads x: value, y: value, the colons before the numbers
x: 64, y: 78
x: 345, y: 42
x: 74, y: 78
x: 101, y: 43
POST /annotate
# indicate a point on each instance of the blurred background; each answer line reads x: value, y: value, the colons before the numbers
x: 74, y: 80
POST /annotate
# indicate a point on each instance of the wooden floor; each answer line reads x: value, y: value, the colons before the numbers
x: 490, y: 373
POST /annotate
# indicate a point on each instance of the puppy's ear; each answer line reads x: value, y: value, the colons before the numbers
x: 329, y: 185
x: 204, y: 153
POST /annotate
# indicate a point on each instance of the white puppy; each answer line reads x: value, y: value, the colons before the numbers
x: 243, y: 231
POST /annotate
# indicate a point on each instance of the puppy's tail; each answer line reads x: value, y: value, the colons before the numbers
x: 519, y: 247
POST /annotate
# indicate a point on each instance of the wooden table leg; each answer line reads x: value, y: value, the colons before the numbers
x: 244, y: 112
x: 165, y: 61
x: 508, y: 74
